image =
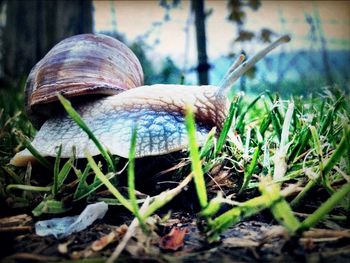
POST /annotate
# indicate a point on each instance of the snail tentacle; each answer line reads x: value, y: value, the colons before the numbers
x: 245, y: 66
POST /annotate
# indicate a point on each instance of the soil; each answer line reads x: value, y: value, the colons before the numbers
x: 176, y: 239
x: 255, y: 240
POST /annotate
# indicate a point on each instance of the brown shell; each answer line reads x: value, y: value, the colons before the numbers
x: 81, y: 65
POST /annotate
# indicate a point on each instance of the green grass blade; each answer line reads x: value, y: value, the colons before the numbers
x: 329, y: 164
x: 64, y: 172
x: 237, y: 214
x: 195, y: 160
x: 107, y: 183
x: 56, y: 171
x: 240, y: 125
x: 318, y: 148
x: 301, y: 141
x: 79, y: 121
x: 82, y: 187
x: 226, y: 128
x: 248, y: 172
x: 208, y: 145
x: 213, y: 206
x: 265, y: 123
x: 131, y: 181
x: 327, y: 122
x: 48, y: 206
x: 325, y: 208
x: 32, y: 150
x: 338, y: 153
x: 281, y: 210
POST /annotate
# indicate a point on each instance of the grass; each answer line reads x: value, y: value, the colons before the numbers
x: 270, y: 145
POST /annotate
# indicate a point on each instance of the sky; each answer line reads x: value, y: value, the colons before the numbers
x: 137, y: 18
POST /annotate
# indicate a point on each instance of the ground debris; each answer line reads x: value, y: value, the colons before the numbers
x: 250, y: 241
x: 18, y: 223
x: 25, y: 257
x: 64, y: 226
x: 115, y: 235
x: 174, y: 240
x: 240, y: 242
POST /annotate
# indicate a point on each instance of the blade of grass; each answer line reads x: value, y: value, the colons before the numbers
x: 237, y: 214
x: 329, y: 164
x: 226, y: 128
x: 107, y: 183
x: 281, y: 210
x: 82, y: 187
x: 265, y: 123
x: 62, y: 175
x: 208, y: 145
x: 325, y: 208
x: 286, y: 125
x: 131, y: 181
x: 301, y: 141
x: 213, y: 206
x: 195, y: 160
x: 239, y: 124
x: 318, y: 148
x: 327, y: 122
x: 338, y: 153
x: 49, y: 206
x: 26, y: 142
x: 56, y: 170
x: 248, y: 172
x: 79, y: 121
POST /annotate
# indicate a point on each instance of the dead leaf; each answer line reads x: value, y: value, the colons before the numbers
x: 174, y: 240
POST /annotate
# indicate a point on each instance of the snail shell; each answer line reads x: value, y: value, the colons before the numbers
x: 80, y: 65
x: 156, y: 111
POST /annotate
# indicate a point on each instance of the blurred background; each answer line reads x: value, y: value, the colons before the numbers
x: 192, y: 42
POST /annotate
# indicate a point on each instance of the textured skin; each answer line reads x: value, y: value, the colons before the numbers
x: 81, y: 65
x: 157, y: 111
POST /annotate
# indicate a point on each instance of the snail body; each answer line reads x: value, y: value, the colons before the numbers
x: 157, y: 112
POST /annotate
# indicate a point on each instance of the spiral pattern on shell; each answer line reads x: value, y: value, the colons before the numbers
x: 82, y: 65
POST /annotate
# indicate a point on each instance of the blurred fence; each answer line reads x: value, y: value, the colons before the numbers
x: 302, y: 70
x: 318, y: 62
x: 306, y: 69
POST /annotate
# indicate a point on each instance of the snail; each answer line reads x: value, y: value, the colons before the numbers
x: 157, y: 111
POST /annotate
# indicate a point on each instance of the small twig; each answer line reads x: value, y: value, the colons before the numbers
x: 30, y: 257
x: 131, y: 230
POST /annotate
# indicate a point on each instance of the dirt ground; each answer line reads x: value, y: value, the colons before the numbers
x: 256, y: 240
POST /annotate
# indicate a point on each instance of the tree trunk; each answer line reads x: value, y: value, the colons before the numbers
x: 203, y: 66
x: 34, y: 26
